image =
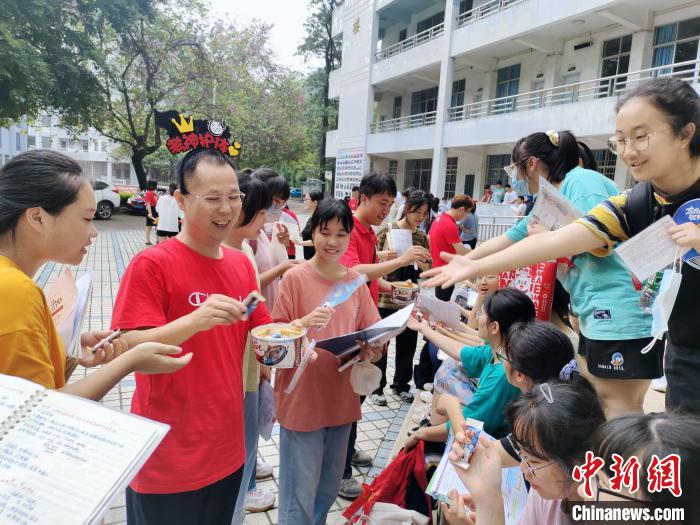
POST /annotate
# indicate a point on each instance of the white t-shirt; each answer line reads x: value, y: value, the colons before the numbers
x: 519, y: 209
x: 510, y: 197
x: 168, y: 213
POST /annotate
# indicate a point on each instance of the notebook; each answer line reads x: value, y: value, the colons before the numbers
x: 63, y: 459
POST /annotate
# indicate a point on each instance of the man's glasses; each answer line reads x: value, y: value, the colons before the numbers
x: 522, y: 457
x: 215, y: 201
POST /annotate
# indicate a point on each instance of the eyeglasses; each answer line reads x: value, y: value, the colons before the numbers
x: 523, y: 457
x: 600, y: 489
x: 512, y: 168
x: 215, y: 201
x: 639, y: 143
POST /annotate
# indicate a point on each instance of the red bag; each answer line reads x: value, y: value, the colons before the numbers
x: 392, y: 484
x: 537, y: 281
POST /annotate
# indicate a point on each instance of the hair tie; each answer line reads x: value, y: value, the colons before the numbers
x: 553, y: 137
x: 568, y: 370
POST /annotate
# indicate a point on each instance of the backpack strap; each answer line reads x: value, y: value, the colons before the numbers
x: 640, y: 208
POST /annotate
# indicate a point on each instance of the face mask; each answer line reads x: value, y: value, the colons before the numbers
x: 274, y: 213
x: 662, y: 307
x: 365, y: 378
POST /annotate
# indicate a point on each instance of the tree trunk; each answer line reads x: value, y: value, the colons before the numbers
x: 137, y: 161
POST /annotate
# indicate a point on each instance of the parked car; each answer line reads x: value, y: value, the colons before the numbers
x: 107, y: 197
x: 137, y: 206
x: 295, y: 193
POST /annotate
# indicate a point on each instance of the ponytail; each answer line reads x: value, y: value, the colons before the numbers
x: 559, y: 151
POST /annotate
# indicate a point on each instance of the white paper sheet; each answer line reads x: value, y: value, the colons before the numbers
x: 551, y: 208
x: 439, y: 311
x: 401, y: 240
x: 650, y: 251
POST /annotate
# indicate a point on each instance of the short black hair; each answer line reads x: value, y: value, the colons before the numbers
x: 257, y: 197
x: 355, y: 188
x: 415, y: 200
x: 152, y: 185
x: 508, y: 306
x: 187, y: 164
x: 276, y: 183
x: 315, y: 195
x: 587, y: 157
x: 538, y: 349
x: 172, y: 187
x: 377, y: 184
x: 330, y: 209
x: 37, y: 178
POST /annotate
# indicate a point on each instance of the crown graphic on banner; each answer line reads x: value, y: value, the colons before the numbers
x: 185, y: 133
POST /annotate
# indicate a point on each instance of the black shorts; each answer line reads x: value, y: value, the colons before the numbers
x: 622, y: 359
x: 163, y: 233
x: 471, y: 243
x: 210, y: 505
x: 151, y: 222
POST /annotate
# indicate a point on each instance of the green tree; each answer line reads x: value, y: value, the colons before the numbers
x: 48, y: 52
x: 319, y: 42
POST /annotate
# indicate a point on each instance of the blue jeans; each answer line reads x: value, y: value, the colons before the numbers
x: 250, y: 423
x: 311, y: 469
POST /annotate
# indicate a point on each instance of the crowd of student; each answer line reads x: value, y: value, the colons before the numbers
x: 186, y: 331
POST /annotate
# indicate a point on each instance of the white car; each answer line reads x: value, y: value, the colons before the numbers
x: 107, y: 197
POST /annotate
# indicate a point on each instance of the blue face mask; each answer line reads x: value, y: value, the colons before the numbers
x: 662, y: 307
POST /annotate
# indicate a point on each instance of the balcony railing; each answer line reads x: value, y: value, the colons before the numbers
x: 414, y: 41
x: 570, y: 93
x: 491, y: 226
x: 411, y: 121
x: 485, y: 10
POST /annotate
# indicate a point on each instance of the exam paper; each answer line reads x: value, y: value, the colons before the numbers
x: 650, y: 251
x: 400, y: 240
x: 439, y: 311
x: 551, y: 208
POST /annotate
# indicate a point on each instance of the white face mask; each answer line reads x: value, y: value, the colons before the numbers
x: 274, y: 213
x: 662, y: 307
x: 365, y: 378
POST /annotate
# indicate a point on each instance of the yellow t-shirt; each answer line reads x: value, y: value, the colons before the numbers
x: 29, y: 343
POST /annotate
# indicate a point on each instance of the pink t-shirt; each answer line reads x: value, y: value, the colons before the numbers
x: 323, y: 397
x: 539, y: 511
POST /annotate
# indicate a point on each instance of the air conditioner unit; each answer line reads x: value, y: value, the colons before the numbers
x: 583, y: 45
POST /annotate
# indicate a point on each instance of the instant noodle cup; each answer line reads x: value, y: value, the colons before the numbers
x: 278, y: 345
x: 404, y: 293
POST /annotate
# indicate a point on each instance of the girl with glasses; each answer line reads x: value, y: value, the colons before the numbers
x: 552, y: 427
x: 604, y: 297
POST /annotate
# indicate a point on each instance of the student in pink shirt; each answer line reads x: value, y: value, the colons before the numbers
x: 316, y: 418
x: 552, y: 427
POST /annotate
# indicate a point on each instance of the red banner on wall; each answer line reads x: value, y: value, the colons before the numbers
x: 537, y: 282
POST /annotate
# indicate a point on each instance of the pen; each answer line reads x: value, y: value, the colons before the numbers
x: 111, y: 337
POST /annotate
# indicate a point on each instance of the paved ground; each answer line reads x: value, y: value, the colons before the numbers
x: 119, y: 240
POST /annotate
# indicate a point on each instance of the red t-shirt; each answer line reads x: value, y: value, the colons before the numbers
x: 292, y: 248
x: 203, y: 402
x: 151, y: 198
x: 352, y: 203
x: 362, y: 250
x: 443, y: 234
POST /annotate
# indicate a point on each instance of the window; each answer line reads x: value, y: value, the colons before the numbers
x: 606, y: 160
x: 64, y: 143
x: 458, y: 87
x: 418, y: 174
x: 469, y: 184
x: 431, y: 21
x: 424, y: 101
x: 46, y: 121
x: 18, y: 141
x: 494, y: 168
x: 450, y: 177
x: 507, y: 85
x: 465, y: 5
x: 616, y: 61
x: 398, y: 102
x: 46, y: 142
x: 99, y: 185
x: 403, y: 34
x: 31, y: 141
x: 84, y: 145
x: 675, y: 43
x: 105, y: 144
x: 393, y: 168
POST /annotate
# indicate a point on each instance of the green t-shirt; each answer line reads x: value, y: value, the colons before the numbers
x: 494, y: 392
x: 603, y: 295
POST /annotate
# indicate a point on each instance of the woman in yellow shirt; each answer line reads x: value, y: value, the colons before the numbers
x: 46, y: 211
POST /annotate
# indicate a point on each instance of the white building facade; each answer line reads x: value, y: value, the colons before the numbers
x: 436, y: 92
x: 92, y: 151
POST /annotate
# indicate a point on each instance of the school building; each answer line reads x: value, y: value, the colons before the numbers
x: 436, y: 92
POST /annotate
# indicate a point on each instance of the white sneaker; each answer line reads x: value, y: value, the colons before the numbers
x: 426, y: 397
x: 659, y: 384
x: 259, y: 500
x: 262, y: 470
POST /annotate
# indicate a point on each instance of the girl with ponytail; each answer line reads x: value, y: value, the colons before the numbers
x: 613, y: 328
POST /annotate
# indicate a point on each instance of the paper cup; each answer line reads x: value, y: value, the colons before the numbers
x: 278, y: 345
x: 404, y: 293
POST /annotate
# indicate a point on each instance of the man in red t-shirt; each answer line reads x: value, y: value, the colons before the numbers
x: 376, y: 195
x: 187, y: 291
x: 355, y: 198
x: 444, y: 237
x: 150, y: 199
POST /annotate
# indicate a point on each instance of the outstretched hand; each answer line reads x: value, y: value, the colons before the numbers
x: 458, y: 268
